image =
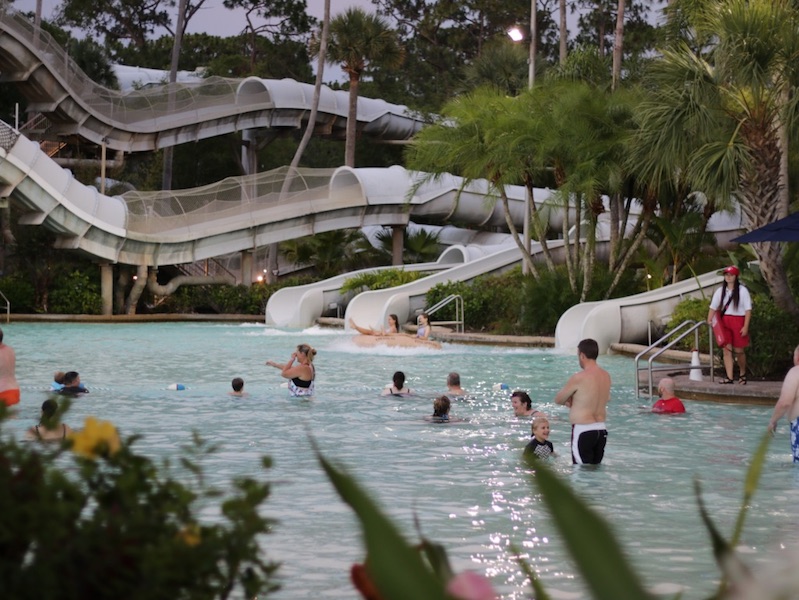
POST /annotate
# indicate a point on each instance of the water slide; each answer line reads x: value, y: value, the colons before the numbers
x: 372, y: 308
x: 167, y: 115
x: 628, y: 319
x: 300, y: 305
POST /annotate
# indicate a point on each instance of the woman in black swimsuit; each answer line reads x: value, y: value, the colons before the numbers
x: 47, y: 430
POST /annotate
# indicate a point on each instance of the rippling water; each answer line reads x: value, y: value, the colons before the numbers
x: 464, y: 481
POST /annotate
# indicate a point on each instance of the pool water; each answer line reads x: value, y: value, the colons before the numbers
x: 465, y: 482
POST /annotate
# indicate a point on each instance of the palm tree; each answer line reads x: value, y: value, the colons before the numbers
x: 715, y: 115
x: 359, y: 40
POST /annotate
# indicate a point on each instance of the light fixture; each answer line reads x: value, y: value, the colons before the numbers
x: 516, y: 34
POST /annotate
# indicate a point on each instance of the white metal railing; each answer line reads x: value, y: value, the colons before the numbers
x: 7, y: 306
x: 686, y: 328
x: 459, y: 316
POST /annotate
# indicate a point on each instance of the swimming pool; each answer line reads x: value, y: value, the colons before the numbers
x: 465, y: 482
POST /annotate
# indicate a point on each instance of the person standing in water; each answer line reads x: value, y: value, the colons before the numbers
x: 9, y: 388
x: 587, y: 394
x: 299, y: 370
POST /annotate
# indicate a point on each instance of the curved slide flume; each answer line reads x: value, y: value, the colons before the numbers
x: 299, y: 306
x: 237, y: 214
x: 627, y: 319
x: 168, y: 115
x: 372, y: 308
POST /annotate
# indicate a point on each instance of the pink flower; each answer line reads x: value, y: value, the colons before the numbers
x: 470, y: 586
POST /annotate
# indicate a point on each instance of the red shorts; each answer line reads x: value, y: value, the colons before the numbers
x: 733, y: 326
x: 9, y: 397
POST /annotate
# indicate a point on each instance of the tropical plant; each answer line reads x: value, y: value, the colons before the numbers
x: 396, y: 570
x: 719, y: 109
x: 360, y: 41
x: 92, y: 518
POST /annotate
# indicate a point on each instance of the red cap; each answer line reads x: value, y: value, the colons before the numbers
x: 732, y: 269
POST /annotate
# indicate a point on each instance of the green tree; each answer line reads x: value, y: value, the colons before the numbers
x: 716, y: 111
x: 359, y: 42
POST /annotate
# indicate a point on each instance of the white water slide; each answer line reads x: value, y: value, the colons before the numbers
x: 628, y: 319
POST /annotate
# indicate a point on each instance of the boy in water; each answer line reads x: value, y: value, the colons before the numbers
x: 540, y: 446
x: 238, y: 387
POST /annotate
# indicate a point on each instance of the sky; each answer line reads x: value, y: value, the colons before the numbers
x: 214, y: 18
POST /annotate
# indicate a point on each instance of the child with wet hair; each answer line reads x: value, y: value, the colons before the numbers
x: 540, y: 446
x: 441, y: 406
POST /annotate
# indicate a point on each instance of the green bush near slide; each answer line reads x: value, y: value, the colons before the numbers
x: 380, y: 280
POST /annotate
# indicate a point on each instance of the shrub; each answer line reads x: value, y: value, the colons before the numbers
x: 490, y: 302
x: 104, y: 522
x: 19, y: 292
x: 225, y: 299
x: 76, y: 293
x: 380, y: 280
x: 551, y: 295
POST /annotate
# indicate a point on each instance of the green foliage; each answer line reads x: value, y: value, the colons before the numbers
x: 398, y: 572
x: 19, y: 292
x: 380, y: 280
x: 225, y: 299
x: 76, y: 293
x: 111, y: 524
x: 551, y: 295
x: 490, y: 302
x: 772, y: 334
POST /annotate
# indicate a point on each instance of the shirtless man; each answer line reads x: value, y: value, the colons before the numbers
x: 9, y: 388
x: 587, y: 394
x: 454, y: 385
x: 788, y: 402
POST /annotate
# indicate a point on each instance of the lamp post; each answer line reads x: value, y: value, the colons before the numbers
x: 516, y: 35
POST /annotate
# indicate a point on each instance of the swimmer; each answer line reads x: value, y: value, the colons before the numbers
x: 299, y: 370
x: 397, y: 387
x: 58, y: 382
x: 72, y: 385
x: 587, y: 394
x: 9, y: 388
x: 669, y: 404
x: 540, y: 446
x: 788, y: 406
x: 423, y: 329
x: 238, y: 387
x: 454, y: 385
x: 523, y: 405
x: 441, y: 406
x: 48, y: 430
x: 392, y: 329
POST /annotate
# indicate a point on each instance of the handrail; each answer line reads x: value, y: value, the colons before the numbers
x: 459, y: 314
x: 693, y: 327
x: 8, y: 307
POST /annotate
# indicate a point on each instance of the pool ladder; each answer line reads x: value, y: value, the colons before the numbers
x: 684, y: 329
x: 459, y: 316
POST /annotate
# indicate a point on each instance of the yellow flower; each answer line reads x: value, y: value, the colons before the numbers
x: 190, y: 535
x: 96, y: 438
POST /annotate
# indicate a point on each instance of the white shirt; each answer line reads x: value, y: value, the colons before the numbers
x: 722, y: 295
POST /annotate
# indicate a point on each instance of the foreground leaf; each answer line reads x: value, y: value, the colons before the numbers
x: 590, y: 541
x: 396, y: 568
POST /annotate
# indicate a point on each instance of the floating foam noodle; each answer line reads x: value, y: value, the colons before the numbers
x: 176, y: 386
x: 500, y: 386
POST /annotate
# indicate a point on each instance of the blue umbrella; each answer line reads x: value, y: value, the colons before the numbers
x: 784, y: 230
